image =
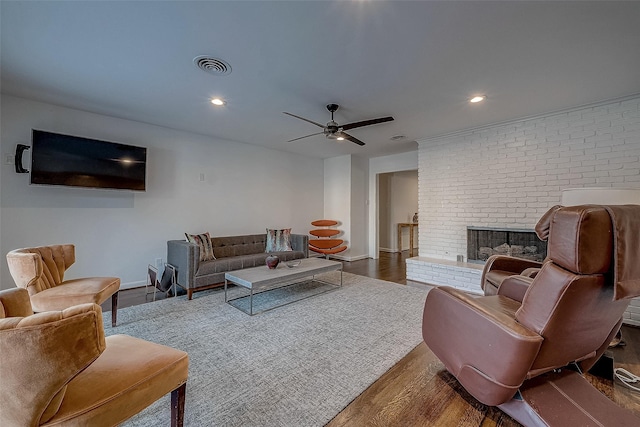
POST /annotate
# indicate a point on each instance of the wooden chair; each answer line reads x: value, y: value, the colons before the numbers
x: 324, y: 243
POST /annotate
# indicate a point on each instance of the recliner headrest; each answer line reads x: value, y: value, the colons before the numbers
x: 581, y: 239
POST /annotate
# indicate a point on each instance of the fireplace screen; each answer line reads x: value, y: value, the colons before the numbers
x: 484, y: 242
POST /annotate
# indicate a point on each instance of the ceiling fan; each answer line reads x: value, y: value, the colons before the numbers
x: 333, y: 130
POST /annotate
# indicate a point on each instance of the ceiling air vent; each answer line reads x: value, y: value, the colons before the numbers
x: 214, y: 66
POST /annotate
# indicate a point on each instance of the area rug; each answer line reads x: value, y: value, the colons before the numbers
x: 295, y: 365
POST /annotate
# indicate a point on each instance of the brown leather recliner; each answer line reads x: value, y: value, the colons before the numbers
x: 568, y: 313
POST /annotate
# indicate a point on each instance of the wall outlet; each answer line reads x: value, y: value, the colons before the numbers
x: 8, y: 159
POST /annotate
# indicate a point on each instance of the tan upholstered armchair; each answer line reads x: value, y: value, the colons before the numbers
x: 57, y: 368
x: 40, y: 271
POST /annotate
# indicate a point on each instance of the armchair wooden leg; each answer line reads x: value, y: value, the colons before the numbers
x: 177, y: 405
x: 114, y: 309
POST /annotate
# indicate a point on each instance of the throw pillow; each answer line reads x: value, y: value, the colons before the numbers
x: 278, y: 240
x: 204, y: 242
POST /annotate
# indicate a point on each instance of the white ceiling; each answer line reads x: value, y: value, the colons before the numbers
x: 417, y: 61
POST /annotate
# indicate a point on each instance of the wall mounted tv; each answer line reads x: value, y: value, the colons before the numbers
x: 81, y: 162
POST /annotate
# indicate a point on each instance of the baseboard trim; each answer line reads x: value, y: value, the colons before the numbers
x: 350, y: 258
x: 393, y: 251
x: 133, y: 285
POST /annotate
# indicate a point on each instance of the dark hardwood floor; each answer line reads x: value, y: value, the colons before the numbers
x: 418, y: 391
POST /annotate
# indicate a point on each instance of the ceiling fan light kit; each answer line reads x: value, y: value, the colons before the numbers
x: 333, y: 130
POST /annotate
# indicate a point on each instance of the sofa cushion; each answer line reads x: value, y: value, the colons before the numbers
x: 224, y: 265
x: 278, y: 240
x: 238, y: 245
x: 204, y: 243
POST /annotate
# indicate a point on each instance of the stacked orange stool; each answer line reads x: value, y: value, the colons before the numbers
x: 324, y: 243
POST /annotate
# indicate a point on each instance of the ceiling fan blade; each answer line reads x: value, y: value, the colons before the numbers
x: 302, y: 118
x: 349, y: 137
x: 366, y: 123
x: 306, y: 136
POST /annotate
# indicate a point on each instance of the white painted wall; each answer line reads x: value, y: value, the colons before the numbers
x: 359, y: 181
x: 384, y: 212
x: 345, y: 199
x: 337, y: 197
x: 378, y: 165
x: 246, y: 189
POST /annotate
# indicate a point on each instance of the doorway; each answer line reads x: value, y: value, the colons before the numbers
x: 397, y: 203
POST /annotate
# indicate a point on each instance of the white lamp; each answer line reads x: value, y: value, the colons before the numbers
x: 600, y: 196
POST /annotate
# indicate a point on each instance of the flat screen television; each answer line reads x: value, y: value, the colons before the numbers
x: 58, y: 159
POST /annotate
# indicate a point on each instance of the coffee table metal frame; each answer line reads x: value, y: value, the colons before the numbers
x: 263, y: 279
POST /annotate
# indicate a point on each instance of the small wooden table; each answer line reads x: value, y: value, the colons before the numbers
x: 411, y: 226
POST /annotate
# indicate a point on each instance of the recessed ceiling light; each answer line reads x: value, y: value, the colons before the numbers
x: 398, y: 137
x: 217, y: 101
x: 476, y: 99
x: 340, y: 138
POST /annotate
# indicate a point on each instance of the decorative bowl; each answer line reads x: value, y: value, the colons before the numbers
x: 293, y: 263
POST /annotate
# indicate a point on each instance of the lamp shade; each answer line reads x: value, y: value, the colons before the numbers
x: 600, y: 196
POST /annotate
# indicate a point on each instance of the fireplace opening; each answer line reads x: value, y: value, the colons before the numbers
x: 482, y: 242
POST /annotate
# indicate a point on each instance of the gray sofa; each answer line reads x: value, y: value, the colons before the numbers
x: 232, y: 253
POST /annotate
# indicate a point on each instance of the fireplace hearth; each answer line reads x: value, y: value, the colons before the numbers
x: 482, y: 242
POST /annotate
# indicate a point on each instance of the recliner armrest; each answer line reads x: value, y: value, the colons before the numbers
x: 515, y: 287
x: 507, y: 263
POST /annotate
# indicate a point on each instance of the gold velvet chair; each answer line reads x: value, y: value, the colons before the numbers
x: 58, y: 369
x: 40, y: 270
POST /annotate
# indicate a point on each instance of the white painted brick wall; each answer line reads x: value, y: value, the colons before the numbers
x: 508, y: 175
x: 463, y: 276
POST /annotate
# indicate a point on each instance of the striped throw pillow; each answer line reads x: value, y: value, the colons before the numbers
x: 204, y: 242
x: 278, y: 240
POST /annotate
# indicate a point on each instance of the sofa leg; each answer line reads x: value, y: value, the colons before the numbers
x: 189, y: 293
x: 114, y: 309
x: 177, y: 405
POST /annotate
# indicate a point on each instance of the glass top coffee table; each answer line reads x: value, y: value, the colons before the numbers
x: 261, y: 279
